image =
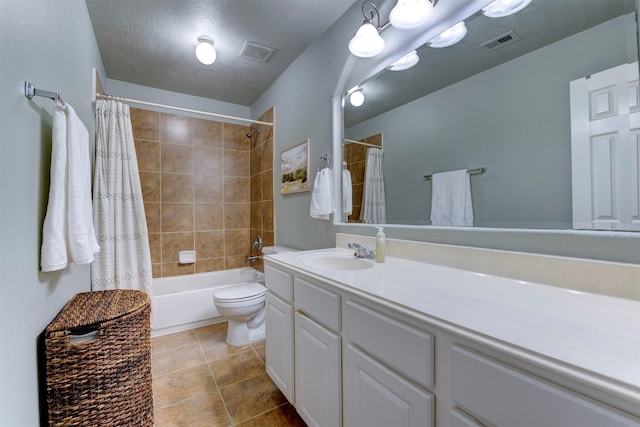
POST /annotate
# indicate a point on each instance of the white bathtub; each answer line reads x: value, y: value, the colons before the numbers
x: 185, y: 302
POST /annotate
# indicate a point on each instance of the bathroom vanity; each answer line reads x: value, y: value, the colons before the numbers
x: 405, y: 343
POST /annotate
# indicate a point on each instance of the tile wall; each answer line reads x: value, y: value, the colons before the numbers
x: 196, y: 177
x: 355, y: 155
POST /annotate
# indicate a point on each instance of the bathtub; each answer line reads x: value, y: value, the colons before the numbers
x: 185, y: 302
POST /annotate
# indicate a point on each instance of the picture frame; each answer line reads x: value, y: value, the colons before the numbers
x: 294, y: 168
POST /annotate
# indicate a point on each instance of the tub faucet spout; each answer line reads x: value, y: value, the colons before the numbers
x: 252, y: 258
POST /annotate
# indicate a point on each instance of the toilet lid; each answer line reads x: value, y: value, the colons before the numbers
x: 245, y: 292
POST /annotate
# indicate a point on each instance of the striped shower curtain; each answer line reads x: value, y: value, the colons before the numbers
x: 374, y: 207
x: 124, y: 261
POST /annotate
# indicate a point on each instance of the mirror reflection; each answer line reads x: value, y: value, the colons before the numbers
x: 499, y: 100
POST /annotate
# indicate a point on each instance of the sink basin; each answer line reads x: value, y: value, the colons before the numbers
x: 335, y: 261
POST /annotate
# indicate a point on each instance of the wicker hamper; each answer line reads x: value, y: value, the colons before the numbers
x: 98, y: 361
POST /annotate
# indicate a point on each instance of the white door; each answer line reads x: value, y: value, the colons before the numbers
x: 605, y: 124
x: 318, y: 373
x: 279, y: 343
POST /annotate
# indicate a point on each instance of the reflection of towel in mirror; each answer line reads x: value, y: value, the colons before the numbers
x: 451, y: 199
x: 322, y: 195
x: 347, y: 204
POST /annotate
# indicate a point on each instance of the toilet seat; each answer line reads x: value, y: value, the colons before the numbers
x: 242, y: 293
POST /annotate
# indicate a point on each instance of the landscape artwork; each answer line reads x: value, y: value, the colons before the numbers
x: 294, y: 167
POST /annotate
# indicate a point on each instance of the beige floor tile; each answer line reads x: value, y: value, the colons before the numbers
x: 262, y: 353
x: 202, y: 411
x: 237, y: 367
x: 212, y: 339
x: 182, y: 385
x: 258, y: 344
x: 173, y: 341
x: 175, y: 360
x: 282, y: 416
x: 249, y: 398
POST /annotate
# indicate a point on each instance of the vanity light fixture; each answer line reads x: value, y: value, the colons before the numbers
x: 205, y: 51
x: 409, y: 14
x: 450, y: 36
x: 501, y: 8
x: 356, y: 98
x: 406, y: 62
x: 367, y: 42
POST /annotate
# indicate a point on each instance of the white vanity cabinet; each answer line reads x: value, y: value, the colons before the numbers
x: 279, y: 330
x: 318, y: 364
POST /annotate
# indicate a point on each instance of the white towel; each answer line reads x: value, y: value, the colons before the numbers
x: 347, y: 188
x: 451, y: 199
x: 322, y: 195
x: 67, y: 232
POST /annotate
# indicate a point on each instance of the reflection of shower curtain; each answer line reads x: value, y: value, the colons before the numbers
x: 118, y: 211
x: 374, y: 209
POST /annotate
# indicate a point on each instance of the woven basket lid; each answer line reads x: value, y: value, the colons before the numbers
x: 91, y: 308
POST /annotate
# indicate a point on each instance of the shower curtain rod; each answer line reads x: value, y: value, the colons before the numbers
x: 351, y: 141
x: 188, y: 110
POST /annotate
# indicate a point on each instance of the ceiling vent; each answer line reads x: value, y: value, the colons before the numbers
x: 503, y: 40
x: 256, y: 52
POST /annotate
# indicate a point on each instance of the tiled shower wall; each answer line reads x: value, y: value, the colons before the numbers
x: 355, y: 156
x: 196, y: 177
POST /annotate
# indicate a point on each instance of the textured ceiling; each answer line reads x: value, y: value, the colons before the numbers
x: 539, y: 24
x: 152, y: 43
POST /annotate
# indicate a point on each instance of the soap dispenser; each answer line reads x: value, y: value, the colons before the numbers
x: 381, y: 245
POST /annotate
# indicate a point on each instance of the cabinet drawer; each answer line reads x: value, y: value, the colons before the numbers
x: 505, y: 396
x: 401, y: 346
x: 279, y: 282
x: 318, y: 303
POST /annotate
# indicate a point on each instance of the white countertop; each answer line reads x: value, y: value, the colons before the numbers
x: 597, y: 334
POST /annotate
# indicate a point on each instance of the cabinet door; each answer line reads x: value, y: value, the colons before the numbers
x: 375, y: 396
x: 279, y: 343
x: 318, y: 371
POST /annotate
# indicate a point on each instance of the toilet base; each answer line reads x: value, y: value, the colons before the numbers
x: 239, y: 333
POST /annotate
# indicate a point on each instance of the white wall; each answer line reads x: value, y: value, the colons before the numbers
x: 50, y: 43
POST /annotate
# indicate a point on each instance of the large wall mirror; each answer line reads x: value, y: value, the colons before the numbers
x: 499, y: 99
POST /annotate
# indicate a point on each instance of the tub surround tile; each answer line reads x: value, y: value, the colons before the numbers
x: 256, y: 188
x: 172, y: 243
x: 237, y: 242
x: 207, y: 133
x: 176, y: 187
x: 235, y: 137
x: 208, y: 189
x: 208, y: 161
x: 209, y: 244
x: 267, y: 218
x: 209, y: 216
x: 145, y: 124
x: 174, y: 269
x: 251, y: 397
x: 150, y: 185
x: 266, y: 184
x: 267, y: 155
x: 177, y: 217
x: 177, y: 158
x: 256, y: 215
x: 237, y: 163
x: 152, y: 214
x: 232, y: 262
x: 237, y: 216
x: 148, y: 154
x: 155, y: 247
x: 176, y: 129
x: 237, y: 190
x: 206, y: 265
x: 156, y: 270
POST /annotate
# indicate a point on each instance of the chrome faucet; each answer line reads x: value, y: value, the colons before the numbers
x: 362, y: 251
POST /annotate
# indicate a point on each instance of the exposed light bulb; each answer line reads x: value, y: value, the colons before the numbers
x: 367, y: 42
x: 501, y: 8
x: 205, y: 52
x: 450, y: 36
x: 356, y: 98
x: 408, y: 14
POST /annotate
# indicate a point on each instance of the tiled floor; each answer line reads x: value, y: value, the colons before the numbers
x: 199, y: 380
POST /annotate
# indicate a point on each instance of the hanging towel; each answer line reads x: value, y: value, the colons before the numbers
x: 347, y: 203
x: 322, y: 195
x: 451, y: 199
x: 67, y: 232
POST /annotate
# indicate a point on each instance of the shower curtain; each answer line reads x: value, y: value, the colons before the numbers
x: 374, y: 208
x: 118, y: 210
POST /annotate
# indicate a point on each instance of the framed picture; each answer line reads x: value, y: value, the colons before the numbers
x: 294, y: 168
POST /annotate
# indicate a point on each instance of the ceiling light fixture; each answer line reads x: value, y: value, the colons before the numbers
x: 367, y: 42
x: 450, y: 36
x: 356, y: 98
x: 406, y: 62
x: 205, y: 51
x: 409, y: 14
x: 501, y: 8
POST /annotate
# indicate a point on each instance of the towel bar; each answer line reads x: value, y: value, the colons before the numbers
x: 478, y: 171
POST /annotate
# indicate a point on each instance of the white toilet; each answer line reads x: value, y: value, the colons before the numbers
x: 243, y: 307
